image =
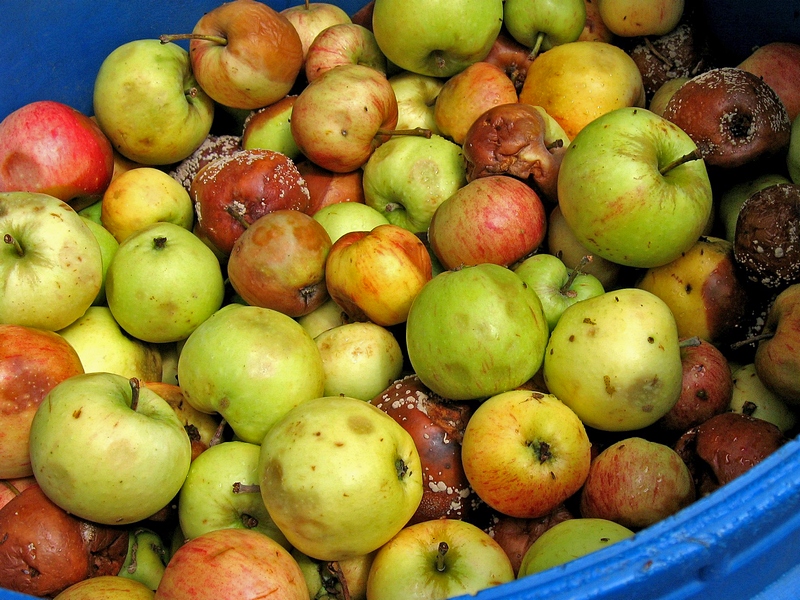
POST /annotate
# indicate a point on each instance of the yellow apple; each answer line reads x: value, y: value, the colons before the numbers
x: 634, y: 18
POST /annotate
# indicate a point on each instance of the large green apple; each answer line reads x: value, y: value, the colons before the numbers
x: 615, y: 360
x: 251, y: 365
x: 623, y: 194
x: 476, y: 332
x: 438, y: 38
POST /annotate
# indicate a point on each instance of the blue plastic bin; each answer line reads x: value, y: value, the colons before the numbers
x: 740, y: 543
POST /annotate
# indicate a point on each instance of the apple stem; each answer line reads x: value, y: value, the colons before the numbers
x: 443, y: 549
x: 10, y: 486
x: 668, y: 63
x: 559, y: 143
x: 308, y: 4
x: 578, y: 270
x: 218, y: 39
x: 416, y: 131
x: 249, y: 521
x: 337, y: 577
x: 9, y: 239
x: 135, y: 386
x: 246, y: 488
x: 537, y: 45
x: 690, y: 342
x: 752, y: 340
x: 693, y: 155
x: 217, y: 437
x: 231, y: 210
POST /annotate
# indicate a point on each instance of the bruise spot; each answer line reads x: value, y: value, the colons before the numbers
x: 610, y: 389
x: 360, y: 424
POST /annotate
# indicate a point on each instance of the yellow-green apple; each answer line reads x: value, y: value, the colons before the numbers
x: 360, y: 359
x: 615, y: 360
x: 32, y: 362
x: 110, y: 587
x: 525, y: 453
x: 232, y: 563
x: 776, y: 363
x: 496, y: 219
x: 577, y: 82
x: 344, y: 217
x: 375, y: 275
x: 408, y: 177
x: 625, y: 171
x: 556, y: 285
x: 326, y: 187
x: 778, y: 63
x: 108, y: 434
x: 51, y: 266
x: 416, y: 100
x: 438, y: 38
x: 235, y: 190
x: 142, y: 197
x: 310, y: 18
x: 476, y: 332
x: 327, y: 579
x: 244, y: 54
x: 279, y: 263
x: 629, y: 18
x: 250, y: 365
x: 51, y: 148
x: 163, y: 282
x: 269, y: 128
x: 146, y: 560
x: 751, y: 397
x: 104, y: 347
x: 636, y: 482
x: 594, y: 30
x: 793, y: 153
x: 327, y: 316
x: 467, y: 95
x: 343, y: 44
x: 703, y: 289
x: 108, y: 248
x: 218, y: 493
x: 542, y: 25
x: 569, y: 540
x: 733, y: 197
x: 343, y: 115
x: 658, y: 103
x: 441, y: 558
x: 148, y: 103
x: 330, y: 461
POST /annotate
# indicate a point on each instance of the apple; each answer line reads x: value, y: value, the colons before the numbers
x: 108, y: 248
x: 375, y: 275
x: 438, y: 38
x: 344, y: 217
x: 105, y: 433
x: 104, y: 347
x: 476, y: 332
x: 326, y: 187
x: 442, y: 558
x: 542, y: 25
x: 269, y: 128
x: 360, y: 359
x: 793, y: 153
x: 279, y: 263
x: 330, y: 461
x: 310, y: 18
x: 778, y: 63
x: 660, y: 99
x: 416, y: 100
x: 496, y: 219
x: 733, y: 197
x: 32, y: 362
x: 163, y: 283
x: 51, y: 148
x: 231, y: 563
x: 147, y: 557
x: 11, y: 488
x: 511, y: 56
x: 141, y: 197
x: 594, y: 30
x: 615, y: 360
x: 605, y: 173
x: 217, y: 494
x: 328, y: 579
x: 343, y: 44
x: 407, y: 178
x: 578, y: 81
x: 51, y: 267
x: 325, y: 317
x: 629, y: 18
x: 342, y: 116
x: 213, y: 147
x: 148, y: 103
x: 250, y: 365
x: 775, y: 360
x: 557, y: 286
x: 109, y: 587
x: 752, y: 398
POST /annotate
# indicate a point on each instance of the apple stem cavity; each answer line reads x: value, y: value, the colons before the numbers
x: 9, y: 239
x: 135, y: 387
x: 578, y: 270
x: 159, y: 243
x: 401, y: 467
x: 416, y: 131
x: 217, y: 437
x: 246, y: 488
x: 239, y: 217
x: 335, y: 582
x: 249, y: 521
x: 440, y: 554
x: 693, y: 155
x: 173, y: 37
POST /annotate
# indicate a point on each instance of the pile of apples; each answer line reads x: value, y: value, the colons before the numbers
x: 367, y: 306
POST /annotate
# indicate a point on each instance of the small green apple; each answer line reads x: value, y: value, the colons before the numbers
x: 323, y: 318
x: 540, y: 25
x: 270, y: 128
x: 108, y: 248
x: 147, y: 557
x: 344, y: 217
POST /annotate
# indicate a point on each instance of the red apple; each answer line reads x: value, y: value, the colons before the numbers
x: 11, y: 488
x: 778, y: 64
x: 343, y: 44
x: 310, y: 18
x: 327, y: 187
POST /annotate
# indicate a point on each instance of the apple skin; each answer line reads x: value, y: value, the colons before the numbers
x: 541, y: 459
x: 416, y: 100
x: 407, y: 566
x: 146, y: 560
x: 326, y: 579
x: 611, y: 190
x: 732, y: 198
x: 51, y: 148
x: 108, y: 248
x: 309, y: 19
x: 375, y: 275
x: 148, y: 103
x: 74, y: 435
x: 327, y: 188
x: 51, y: 267
x: 326, y: 317
x: 11, y: 488
x: 437, y: 38
x: 629, y: 18
x: 32, y: 362
x: 660, y: 99
x: 231, y: 563
x: 778, y: 63
x: 775, y: 360
x: 108, y: 587
x: 542, y: 25
x: 751, y: 397
x: 327, y: 463
x: 344, y: 217
x: 793, y: 153
x: 343, y: 44
x: 269, y: 128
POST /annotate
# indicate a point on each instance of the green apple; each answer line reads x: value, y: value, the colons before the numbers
x: 440, y: 558
x: 751, y: 397
x: 344, y: 217
x: 438, y: 38
x: 148, y: 103
x: 793, y: 155
x: 540, y: 25
x: 251, y: 365
x: 216, y: 493
x: 270, y: 128
x: 664, y: 92
x: 476, y: 332
x: 557, y: 286
x: 323, y: 318
x: 331, y: 462
x: 147, y: 557
x: 408, y: 177
x: 615, y: 360
x: 51, y: 266
x: 731, y: 200
x: 163, y: 282
x: 108, y: 450
x: 93, y: 211
x: 632, y: 189
x: 569, y: 540
x: 416, y: 98
x: 108, y: 248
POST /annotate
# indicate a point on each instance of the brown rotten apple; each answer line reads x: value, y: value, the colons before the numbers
x: 213, y: 147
